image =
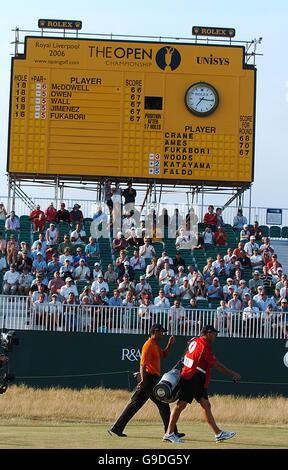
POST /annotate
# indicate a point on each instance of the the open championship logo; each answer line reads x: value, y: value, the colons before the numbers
x: 168, y: 58
x: 130, y: 354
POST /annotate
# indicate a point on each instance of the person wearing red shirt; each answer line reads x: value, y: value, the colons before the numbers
x: 220, y: 236
x: 38, y: 219
x: 194, y: 381
x: 210, y: 218
x: 51, y: 213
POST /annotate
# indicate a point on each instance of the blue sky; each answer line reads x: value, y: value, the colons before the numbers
x: 169, y: 18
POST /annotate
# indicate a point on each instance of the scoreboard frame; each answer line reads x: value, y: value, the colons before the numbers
x: 137, y: 177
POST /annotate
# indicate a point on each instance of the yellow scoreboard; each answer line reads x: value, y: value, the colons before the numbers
x: 141, y: 110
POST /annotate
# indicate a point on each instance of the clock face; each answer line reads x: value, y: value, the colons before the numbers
x: 201, y: 99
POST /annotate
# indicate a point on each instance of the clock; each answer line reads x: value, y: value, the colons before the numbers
x: 201, y: 99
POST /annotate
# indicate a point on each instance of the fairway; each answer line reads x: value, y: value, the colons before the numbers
x: 41, y: 435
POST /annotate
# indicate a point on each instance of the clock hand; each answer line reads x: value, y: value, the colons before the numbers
x: 201, y: 99
x: 206, y: 99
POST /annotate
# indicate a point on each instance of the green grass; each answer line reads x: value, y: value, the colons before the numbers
x: 42, y: 435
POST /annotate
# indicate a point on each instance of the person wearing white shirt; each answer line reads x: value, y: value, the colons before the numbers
x: 82, y: 272
x: 166, y: 273
x: 137, y: 262
x: 98, y: 284
x: 161, y: 301
x: 147, y: 250
x: 10, y: 285
x: 250, y: 246
x: 78, y: 235
x: 68, y: 288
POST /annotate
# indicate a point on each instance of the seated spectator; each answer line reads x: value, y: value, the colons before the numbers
x: 250, y: 246
x: 164, y: 258
x: 125, y: 285
x: 52, y: 235
x: 3, y: 244
x: 179, y: 261
x: 222, y: 317
x: 214, y: 291
x: 256, y: 260
x: 70, y: 312
x: 244, y: 259
x: 161, y: 301
x: 145, y: 314
x: 92, y: 248
x: 66, y: 244
x: 235, y: 304
x: 79, y: 255
x: 50, y: 213
x: 39, y: 280
x: 200, y: 289
x: 268, y: 321
x: 12, y: 222
x: 125, y: 268
x: 98, y: 284
x: 222, y: 270
x: 10, y: 281
x: 245, y: 234
x: 178, y: 318
x: 179, y: 275
x: 256, y: 231
x: 82, y: 272
x: 54, y: 313
x: 67, y: 269
x: 54, y: 265
x: 78, y: 236
x: 137, y: 262
x: 39, y: 264
x: 41, y: 239
x: 55, y: 283
x: 274, y: 263
x: 276, y: 299
x: 97, y: 270
x: 266, y: 246
x: 262, y: 300
x: 171, y: 289
x: 3, y: 212
x: 229, y: 283
x: 242, y: 289
x: 38, y: 219
x: 183, y: 240
x: 24, y: 282
x: 131, y: 237
x: 255, y: 282
x: 208, y: 236
x: 250, y: 318
x: 110, y: 275
x: 220, y: 236
x: 12, y: 250
x: 266, y: 279
x: 266, y: 257
x: 86, y: 293
x: 239, y: 220
x: 210, y: 218
x: 39, y: 292
x: 166, y: 273
x: 3, y: 263
x: 147, y: 250
x: 23, y: 262
x: 63, y: 215
x: 116, y: 300
x: 130, y: 300
x: 68, y: 288
x: 186, y: 292
x: 76, y: 215
x: 67, y: 255
x: 40, y: 310
x: 208, y: 269
x: 142, y: 287
x: 151, y: 269
x: 119, y: 243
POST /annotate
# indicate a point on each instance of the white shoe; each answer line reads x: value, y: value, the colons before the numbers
x: 223, y: 436
x: 172, y: 438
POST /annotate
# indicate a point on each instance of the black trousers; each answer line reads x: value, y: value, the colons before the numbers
x: 138, y: 399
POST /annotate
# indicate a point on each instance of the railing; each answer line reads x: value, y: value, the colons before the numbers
x: 88, y: 208
x: 19, y: 314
